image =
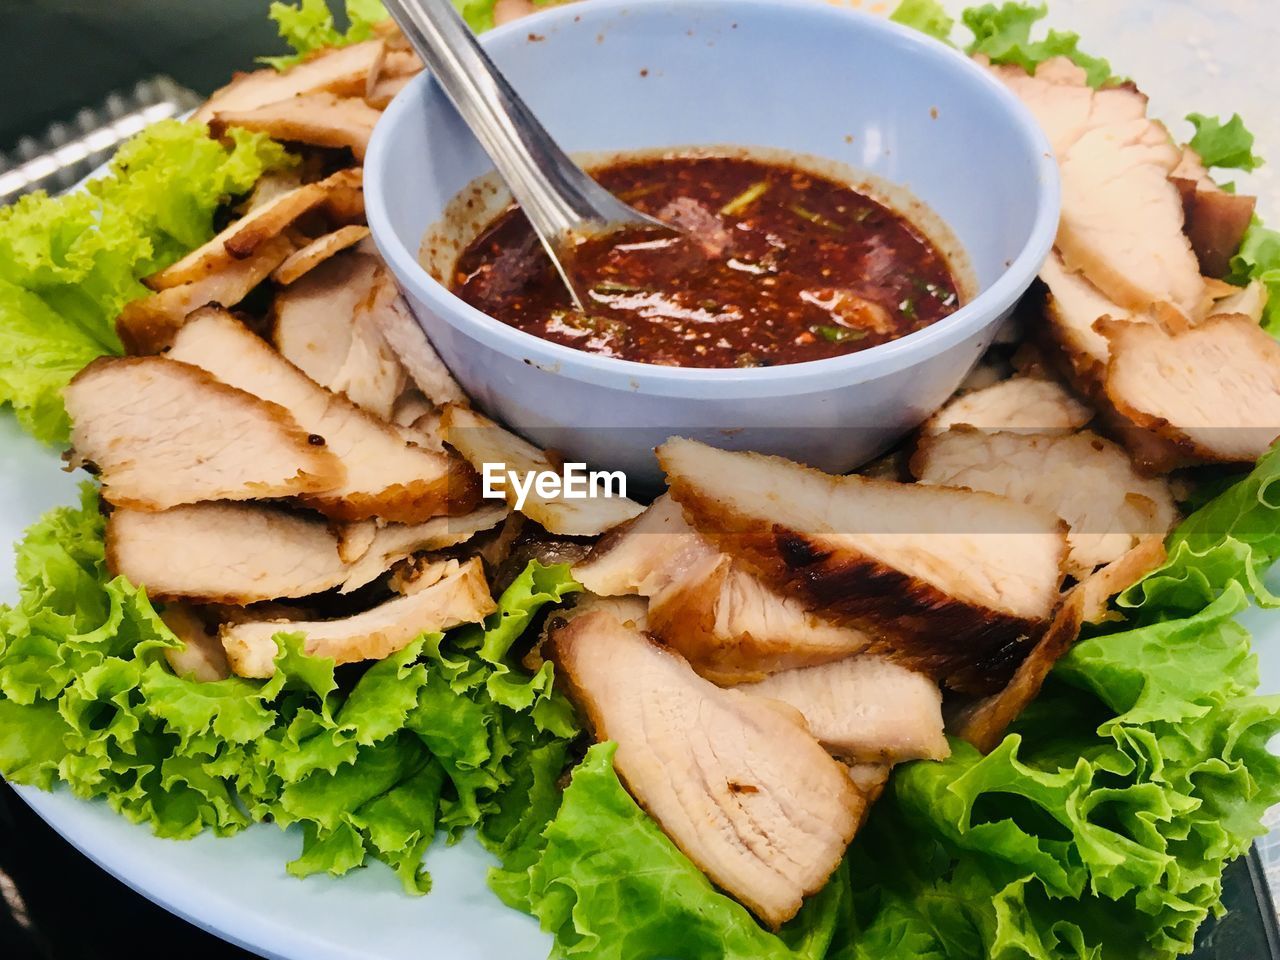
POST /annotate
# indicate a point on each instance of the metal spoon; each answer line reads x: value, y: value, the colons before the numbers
x: 563, y: 204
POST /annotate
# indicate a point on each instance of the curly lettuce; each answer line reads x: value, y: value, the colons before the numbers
x: 69, y: 263
x: 1003, y: 34
x: 310, y: 26
x: 927, y: 16
x: 444, y: 735
x: 1228, y: 145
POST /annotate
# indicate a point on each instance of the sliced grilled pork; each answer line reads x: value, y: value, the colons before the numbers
x: 459, y: 594
x: 1122, y: 218
x: 396, y: 541
x: 244, y: 237
x: 224, y: 552
x: 320, y: 119
x: 342, y: 70
x: 481, y: 441
x: 736, y: 782
x: 1021, y: 404
x: 1059, y: 96
x: 387, y: 477
x: 1213, y: 390
x: 1088, y: 481
x: 984, y: 723
x: 1250, y: 300
x: 312, y: 317
x: 1215, y: 220
x: 953, y: 582
x: 864, y: 709
x: 324, y: 325
x: 148, y: 325
x: 355, y: 538
x: 1072, y: 308
x: 201, y: 657
x: 162, y: 433
x: 303, y: 261
x: 707, y: 606
x: 391, y: 315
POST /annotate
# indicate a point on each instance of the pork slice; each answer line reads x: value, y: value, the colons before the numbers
x: 458, y: 595
x: 223, y: 552
x: 1020, y: 404
x: 339, y: 69
x: 201, y: 657
x: 1122, y: 217
x: 735, y: 781
x: 386, y: 476
x: 162, y: 433
x: 864, y: 709
x: 1085, y: 479
x: 481, y: 441
x: 1215, y: 220
x: 1250, y: 300
x: 1213, y: 390
x: 394, y: 542
x: 1122, y: 223
x: 371, y: 377
x: 149, y: 324
x: 1072, y: 308
x: 303, y: 261
x: 243, y: 237
x: 708, y: 606
x: 312, y: 318
x: 355, y: 538
x: 1059, y: 96
x: 953, y: 582
x: 391, y: 315
x: 380, y: 95
x: 320, y: 119
x: 985, y: 722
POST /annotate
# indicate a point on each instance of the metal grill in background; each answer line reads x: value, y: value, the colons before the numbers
x: 68, y: 152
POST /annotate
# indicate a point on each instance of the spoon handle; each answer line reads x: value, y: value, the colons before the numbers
x: 553, y: 191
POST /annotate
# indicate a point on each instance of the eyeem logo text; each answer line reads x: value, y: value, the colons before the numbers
x: 575, y: 483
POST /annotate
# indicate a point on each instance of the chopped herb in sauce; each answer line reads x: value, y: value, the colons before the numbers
x: 814, y: 217
x: 745, y: 199
x: 837, y: 334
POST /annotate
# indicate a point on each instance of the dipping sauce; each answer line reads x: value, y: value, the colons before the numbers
x: 773, y: 265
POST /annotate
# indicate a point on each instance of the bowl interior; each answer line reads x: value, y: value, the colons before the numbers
x: 803, y: 77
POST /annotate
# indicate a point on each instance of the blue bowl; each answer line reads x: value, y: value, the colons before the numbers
x: 891, y: 108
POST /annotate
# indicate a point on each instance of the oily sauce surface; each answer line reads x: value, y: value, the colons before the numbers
x: 774, y: 265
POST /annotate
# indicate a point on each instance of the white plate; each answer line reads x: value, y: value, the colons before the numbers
x: 1189, y: 55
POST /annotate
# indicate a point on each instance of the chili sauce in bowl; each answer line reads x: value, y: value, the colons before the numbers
x: 909, y: 122
x: 772, y: 264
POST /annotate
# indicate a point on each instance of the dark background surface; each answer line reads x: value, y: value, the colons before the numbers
x: 61, y: 56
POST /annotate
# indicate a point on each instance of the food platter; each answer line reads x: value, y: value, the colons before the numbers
x: 238, y: 888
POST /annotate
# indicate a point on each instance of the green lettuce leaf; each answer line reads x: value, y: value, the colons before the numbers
x: 927, y: 16
x: 1259, y: 259
x: 1228, y: 145
x: 68, y: 264
x: 1232, y: 539
x: 1004, y: 35
x: 309, y: 26
x: 447, y: 733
